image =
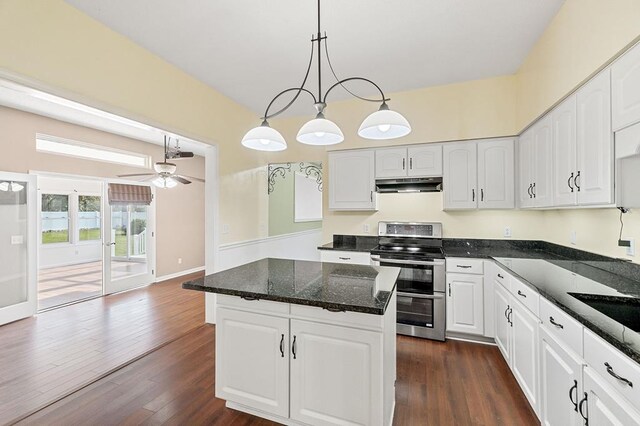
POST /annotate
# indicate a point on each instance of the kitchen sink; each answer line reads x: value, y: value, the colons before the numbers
x: 625, y: 310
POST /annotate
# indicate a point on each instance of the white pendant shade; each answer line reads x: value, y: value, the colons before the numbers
x: 264, y: 138
x: 384, y: 124
x: 320, y: 131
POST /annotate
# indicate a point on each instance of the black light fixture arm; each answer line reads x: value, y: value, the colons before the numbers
x: 283, y: 109
x: 344, y: 80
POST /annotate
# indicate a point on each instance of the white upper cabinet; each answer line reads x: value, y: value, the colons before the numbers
x: 413, y: 161
x: 564, y: 153
x: 594, y: 181
x: 496, y: 176
x: 425, y: 160
x: 460, y: 175
x: 625, y: 85
x: 352, y: 180
x: 536, y: 160
x: 391, y: 162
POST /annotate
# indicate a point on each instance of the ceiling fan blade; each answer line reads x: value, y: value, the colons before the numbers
x: 193, y: 178
x: 185, y: 154
x: 137, y: 174
x: 180, y: 179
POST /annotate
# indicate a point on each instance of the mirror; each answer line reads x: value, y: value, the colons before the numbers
x: 295, y: 197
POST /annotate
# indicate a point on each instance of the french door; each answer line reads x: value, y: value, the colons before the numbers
x: 18, y: 242
x: 129, y: 244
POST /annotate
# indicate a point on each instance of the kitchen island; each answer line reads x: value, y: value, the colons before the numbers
x: 306, y: 343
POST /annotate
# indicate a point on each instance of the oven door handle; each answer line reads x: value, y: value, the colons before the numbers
x: 378, y: 259
x: 422, y: 296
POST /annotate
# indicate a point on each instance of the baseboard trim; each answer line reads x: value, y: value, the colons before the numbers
x: 178, y: 274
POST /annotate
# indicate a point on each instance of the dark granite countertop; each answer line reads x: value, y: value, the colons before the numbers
x: 341, y: 287
x: 363, y: 243
x: 558, y: 273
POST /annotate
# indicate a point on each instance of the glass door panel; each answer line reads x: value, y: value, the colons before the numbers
x: 18, y: 243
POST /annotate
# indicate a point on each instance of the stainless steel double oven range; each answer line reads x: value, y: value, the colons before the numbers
x: 417, y: 249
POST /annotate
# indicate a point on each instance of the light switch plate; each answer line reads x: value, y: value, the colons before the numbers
x: 631, y: 249
x: 574, y: 238
x: 507, y: 232
x: 365, y: 228
x: 226, y: 228
x: 17, y: 240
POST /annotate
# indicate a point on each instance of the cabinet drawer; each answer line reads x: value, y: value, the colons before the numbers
x: 502, y: 277
x: 561, y: 325
x: 355, y: 257
x: 526, y: 295
x: 465, y: 266
x: 349, y: 319
x: 607, y: 361
x: 252, y: 305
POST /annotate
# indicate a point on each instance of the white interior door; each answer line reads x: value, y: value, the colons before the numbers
x: 18, y: 242
x: 129, y: 244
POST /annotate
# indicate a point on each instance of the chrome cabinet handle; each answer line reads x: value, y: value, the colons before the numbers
x: 521, y: 294
x: 552, y: 321
x: 569, y: 182
x: 282, y: 345
x: 613, y: 373
x: 585, y: 416
x: 575, y: 181
x: 344, y: 258
x: 293, y: 347
x: 575, y: 403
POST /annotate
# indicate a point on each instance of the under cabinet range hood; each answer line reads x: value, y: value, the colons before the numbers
x: 427, y: 184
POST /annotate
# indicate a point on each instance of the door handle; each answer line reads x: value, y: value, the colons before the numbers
x: 293, y: 347
x: 585, y: 416
x: 575, y: 181
x: 506, y: 315
x: 501, y: 276
x: 449, y: 289
x: 533, y: 190
x: 411, y: 163
x: 575, y: 403
x: 344, y: 258
x: 552, y: 321
x: 509, y: 317
x: 473, y: 194
x: 109, y: 244
x: 371, y: 196
x: 569, y: 182
x: 403, y: 160
x: 529, y: 191
x: 613, y: 373
x: 521, y: 294
x: 481, y: 194
x: 282, y: 345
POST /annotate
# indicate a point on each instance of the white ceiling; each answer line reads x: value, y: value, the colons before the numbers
x: 250, y: 50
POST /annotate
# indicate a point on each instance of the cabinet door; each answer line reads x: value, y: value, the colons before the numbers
x: 496, y: 174
x: 391, y: 163
x: 595, y: 142
x: 251, y: 368
x: 460, y: 175
x: 502, y: 325
x: 465, y: 301
x: 329, y: 365
x: 564, y: 153
x: 625, y: 85
x: 352, y: 180
x: 425, y: 160
x: 560, y: 382
x: 524, y: 361
x: 543, y: 160
x: 525, y: 166
x: 605, y: 406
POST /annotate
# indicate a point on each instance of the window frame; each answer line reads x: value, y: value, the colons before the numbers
x: 69, y: 219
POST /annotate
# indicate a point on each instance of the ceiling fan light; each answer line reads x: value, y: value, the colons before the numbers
x: 264, y: 138
x: 384, y: 124
x: 164, y: 182
x: 16, y: 187
x: 320, y: 131
x: 164, y: 167
x: 4, y: 186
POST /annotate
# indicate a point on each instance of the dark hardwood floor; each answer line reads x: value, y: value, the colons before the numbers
x: 53, y: 354
x: 452, y: 383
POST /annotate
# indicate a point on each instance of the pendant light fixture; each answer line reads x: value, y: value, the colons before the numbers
x: 380, y: 125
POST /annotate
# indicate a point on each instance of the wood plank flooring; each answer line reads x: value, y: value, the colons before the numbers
x: 55, y: 353
x: 440, y: 384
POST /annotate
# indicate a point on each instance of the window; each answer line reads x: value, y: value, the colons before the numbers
x: 55, y: 145
x: 55, y: 218
x: 89, y: 219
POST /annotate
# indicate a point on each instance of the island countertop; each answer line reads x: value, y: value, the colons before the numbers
x: 333, y: 286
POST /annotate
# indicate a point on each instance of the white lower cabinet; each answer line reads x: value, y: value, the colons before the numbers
x: 465, y: 303
x: 330, y: 365
x: 339, y: 256
x: 560, y: 382
x: 256, y: 371
x: 516, y: 334
x: 601, y: 405
x: 302, y: 365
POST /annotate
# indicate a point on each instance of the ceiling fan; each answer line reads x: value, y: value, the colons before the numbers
x: 165, y: 176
